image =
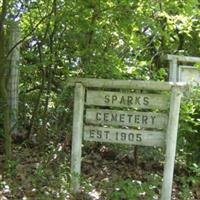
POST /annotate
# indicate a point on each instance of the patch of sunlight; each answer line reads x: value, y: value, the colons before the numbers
x: 94, y: 194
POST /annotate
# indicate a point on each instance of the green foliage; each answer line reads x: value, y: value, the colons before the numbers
x: 38, y: 174
x: 190, y: 126
x: 134, y: 189
x: 189, y: 184
x: 101, y: 39
x: 107, y: 39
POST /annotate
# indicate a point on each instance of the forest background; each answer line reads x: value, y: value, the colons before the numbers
x: 97, y: 39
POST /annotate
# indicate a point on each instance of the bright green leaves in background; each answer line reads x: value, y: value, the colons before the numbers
x: 111, y: 39
x: 108, y: 39
x: 104, y: 38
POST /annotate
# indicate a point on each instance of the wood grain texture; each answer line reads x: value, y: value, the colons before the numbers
x: 183, y: 58
x: 120, y: 84
x: 126, y: 118
x: 79, y: 95
x: 131, y: 100
x: 171, y: 138
x: 124, y: 136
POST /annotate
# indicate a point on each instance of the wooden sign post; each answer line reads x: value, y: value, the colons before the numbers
x: 148, y: 118
x: 79, y: 95
x: 171, y: 137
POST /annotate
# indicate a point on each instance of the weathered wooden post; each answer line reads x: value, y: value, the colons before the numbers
x: 13, y: 60
x: 79, y: 97
x: 171, y: 138
x: 173, y: 70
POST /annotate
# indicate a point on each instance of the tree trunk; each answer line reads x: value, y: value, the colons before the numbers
x: 13, y: 59
x: 4, y: 70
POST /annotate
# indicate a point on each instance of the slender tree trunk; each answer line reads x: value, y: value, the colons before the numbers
x: 13, y: 58
x: 4, y: 74
x: 4, y: 71
x: 5, y: 109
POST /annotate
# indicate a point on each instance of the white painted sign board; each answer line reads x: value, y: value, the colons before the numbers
x: 147, y: 118
x: 131, y: 100
x: 124, y: 136
x: 184, y: 73
x: 189, y: 74
x: 126, y: 118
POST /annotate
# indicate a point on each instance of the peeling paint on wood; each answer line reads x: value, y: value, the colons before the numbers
x: 126, y: 118
x: 132, y: 100
x: 124, y: 136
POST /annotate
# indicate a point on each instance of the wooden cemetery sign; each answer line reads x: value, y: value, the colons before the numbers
x: 128, y: 112
x: 184, y: 72
x: 189, y: 74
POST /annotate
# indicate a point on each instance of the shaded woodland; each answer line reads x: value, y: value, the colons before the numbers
x: 42, y: 45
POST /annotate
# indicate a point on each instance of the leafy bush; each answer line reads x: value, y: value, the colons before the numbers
x: 135, y: 189
x: 189, y: 131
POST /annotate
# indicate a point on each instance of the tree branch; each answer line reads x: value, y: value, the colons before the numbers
x: 26, y: 36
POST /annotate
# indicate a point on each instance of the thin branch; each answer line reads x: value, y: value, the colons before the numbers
x: 26, y: 36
